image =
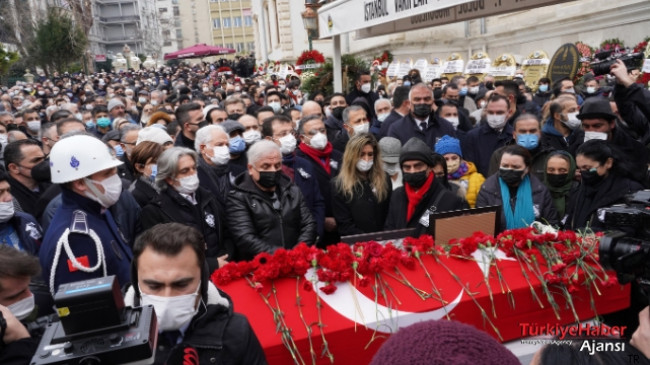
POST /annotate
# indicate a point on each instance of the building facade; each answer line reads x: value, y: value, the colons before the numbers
x: 232, y: 25
x: 282, y: 35
x: 125, y: 22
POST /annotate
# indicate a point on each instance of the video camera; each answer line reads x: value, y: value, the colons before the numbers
x: 96, y: 328
x: 605, y: 59
x: 627, y: 249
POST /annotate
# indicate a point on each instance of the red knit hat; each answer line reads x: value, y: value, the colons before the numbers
x: 442, y: 342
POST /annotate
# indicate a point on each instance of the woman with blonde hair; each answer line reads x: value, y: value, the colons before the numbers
x: 361, y: 192
x: 561, y: 124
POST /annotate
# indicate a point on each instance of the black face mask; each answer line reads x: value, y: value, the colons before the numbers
x: 590, y: 177
x: 338, y: 112
x: 511, y: 177
x: 269, y: 179
x: 556, y: 180
x: 415, y: 179
x: 489, y: 85
x: 422, y: 110
x: 234, y: 116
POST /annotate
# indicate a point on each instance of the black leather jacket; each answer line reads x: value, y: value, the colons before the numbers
x: 257, y: 227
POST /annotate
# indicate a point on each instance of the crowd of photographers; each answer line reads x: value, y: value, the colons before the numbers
x: 160, y: 177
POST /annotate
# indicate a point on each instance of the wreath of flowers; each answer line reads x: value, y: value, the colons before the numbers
x: 586, y: 54
x: 309, y: 57
x: 385, y: 57
x: 563, y: 262
x: 224, y: 70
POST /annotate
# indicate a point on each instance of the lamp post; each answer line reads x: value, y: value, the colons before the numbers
x: 310, y: 21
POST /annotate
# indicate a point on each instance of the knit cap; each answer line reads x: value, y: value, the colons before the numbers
x: 442, y: 342
x: 448, y: 144
x: 113, y: 103
x: 230, y: 125
x: 416, y: 149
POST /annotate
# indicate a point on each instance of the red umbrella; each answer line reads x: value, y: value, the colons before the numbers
x: 198, y: 51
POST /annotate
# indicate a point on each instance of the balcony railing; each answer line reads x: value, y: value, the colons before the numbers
x: 119, y: 19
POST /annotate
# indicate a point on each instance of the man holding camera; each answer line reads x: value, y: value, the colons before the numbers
x: 169, y: 272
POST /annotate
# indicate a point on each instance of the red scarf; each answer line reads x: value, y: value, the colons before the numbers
x: 322, y: 157
x: 415, y: 196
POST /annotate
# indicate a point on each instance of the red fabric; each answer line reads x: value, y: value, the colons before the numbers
x: 83, y: 260
x: 322, y: 157
x: 414, y: 196
x: 352, y: 342
x: 289, y: 172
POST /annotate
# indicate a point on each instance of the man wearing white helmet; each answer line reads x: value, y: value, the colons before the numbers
x: 83, y: 240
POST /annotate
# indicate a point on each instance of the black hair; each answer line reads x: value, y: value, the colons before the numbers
x: 267, y: 124
x: 439, y: 159
x: 265, y: 108
x: 61, y: 114
x: 400, y: 95
x: 183, y: 112
x: 517, y: 150
x: 96, y: 110
x: 13, y: 151
x: 509, y: 86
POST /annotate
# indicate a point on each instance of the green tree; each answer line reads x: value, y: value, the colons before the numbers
x: 6, y: 60
x: 58, y: 41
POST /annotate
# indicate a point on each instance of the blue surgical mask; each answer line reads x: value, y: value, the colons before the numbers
x: 90, y: 124
x: 407, y: 83
x: 237, y: 145
x: 543, y: 88
x: 119, y: 151
x: 154, y: 172
x: 463, y: 91
x: 528, y: 141
x: 103, y: 122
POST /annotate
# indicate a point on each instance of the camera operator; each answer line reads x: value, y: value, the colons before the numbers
x: 169, y: 271
x: 633, y: 101
x: 16, y: 305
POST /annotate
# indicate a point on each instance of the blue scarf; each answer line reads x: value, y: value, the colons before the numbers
x: 524, y: 213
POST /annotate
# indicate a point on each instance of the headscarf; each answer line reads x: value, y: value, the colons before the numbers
x: 560, y: 193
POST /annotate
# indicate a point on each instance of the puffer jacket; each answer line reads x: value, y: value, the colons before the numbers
x: 490, y: 195
x: 257, y: 227
x: 472, y: 182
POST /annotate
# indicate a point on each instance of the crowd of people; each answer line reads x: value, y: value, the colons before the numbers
x: 147, y: 175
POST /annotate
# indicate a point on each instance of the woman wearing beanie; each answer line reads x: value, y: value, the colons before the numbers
x: 559, y: 178
x: 460, y: 172
x: 522, y: 196
x: 361, y: 192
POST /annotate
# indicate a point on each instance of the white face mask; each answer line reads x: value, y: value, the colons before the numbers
x: 188, y: 184
x: 364, y: 166
x: 496, y: 121
x: 172, y: 312
x: 252, y: 136
x: 382, y: 117
x: 570, y: 91
x: 361, y: 128
x: 572, y: 121
x: 473, y: 90
x: 4, y: 139
x: 391, y: 168
x: 454, y: 121
x: 365, y: 88
x: 154, y: 102
x: 22, y: 308
x: 35, y: 125
x: 276, y: 105
x: 221, y: 155
x: 287, y: 144
x: 319, y: 141
x: 112, y: 190
x: 6, y: 211
x: 591, y: 89
x: 595, y: 135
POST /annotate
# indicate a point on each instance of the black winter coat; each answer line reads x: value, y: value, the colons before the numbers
x: 479, y: 144
x: 205, y: 216
x: 257, y: 227
x: 397, y: 210
x: 490, y: 195
x: 363, y: 213
x: 143, y: 191
x: 405, y: 129
x: 583, y: 206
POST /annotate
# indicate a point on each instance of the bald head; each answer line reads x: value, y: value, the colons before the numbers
x: 311, y: 108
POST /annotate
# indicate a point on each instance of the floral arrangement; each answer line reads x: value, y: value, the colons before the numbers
x: 224, y: 70
x: 612, y: 45
x: 385, y: 58
x: 563, y: 262
x: 309, y: 57
x: 641, y: 46
x: 586, y: 54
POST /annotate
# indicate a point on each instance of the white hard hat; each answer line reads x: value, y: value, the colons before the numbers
x: 79, y: 156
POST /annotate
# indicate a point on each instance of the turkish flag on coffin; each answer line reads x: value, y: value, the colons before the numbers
x: 355, y: 321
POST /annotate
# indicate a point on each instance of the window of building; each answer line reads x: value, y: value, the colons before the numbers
x: 229, y: 45
x: 162, y: 10
x: 240, y: 47
x: 251, y: 46
x: 175, y: 2
x: 179, y: 34
x: 176, y: 11
x: 248, y: 21
x: 237, y: 21
x: 216, y: 23
x: 227, y: 22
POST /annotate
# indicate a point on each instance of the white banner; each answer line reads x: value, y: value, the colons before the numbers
x: 504, y: 71
x: 481, y: 66
x: 308, y: 66
x: 393, y: 69
x: 421, y: 65
x: 452, y: 67
x: 433, y: 72
x: 536, y: 62
x: 646, y: 66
